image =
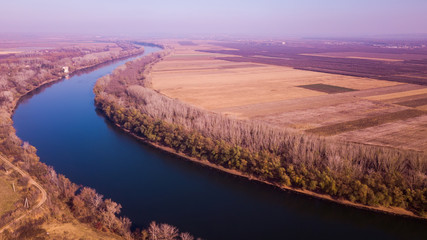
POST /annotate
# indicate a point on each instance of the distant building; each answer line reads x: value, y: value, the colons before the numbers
x: 66, y: 70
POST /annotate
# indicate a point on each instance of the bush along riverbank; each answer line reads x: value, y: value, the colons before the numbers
x: 380, y: 178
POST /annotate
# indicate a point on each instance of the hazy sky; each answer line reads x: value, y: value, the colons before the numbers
x: 232, y: 17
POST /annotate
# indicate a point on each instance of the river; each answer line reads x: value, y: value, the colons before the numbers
x: 61, y: 121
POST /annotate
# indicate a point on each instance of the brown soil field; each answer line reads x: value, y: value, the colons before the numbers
x: 307, y: 103
x: 369, y: 56
x: 335, y: 129
x: 422, y: 108
x: 364, y: 63
x: 203, y: 75
x: 330, y: 112
x: 398, y: 94
x: 407, y: 134
x: 404, y: 99
x: 414, y: 103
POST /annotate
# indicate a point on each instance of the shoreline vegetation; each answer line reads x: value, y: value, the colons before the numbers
x: 20, y: 76
x: 369, y: 177
x: 67, y: 203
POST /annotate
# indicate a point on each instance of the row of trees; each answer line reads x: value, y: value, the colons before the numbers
x: 365, y: 174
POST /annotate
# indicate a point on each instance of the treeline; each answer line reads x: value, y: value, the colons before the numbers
x: 370, y: 175
x: 66, y: 200
x: 23, y: 72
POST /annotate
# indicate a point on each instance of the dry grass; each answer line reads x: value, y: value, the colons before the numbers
x: 366, y: 122
x: 414, y: 103
x: 404, y: 99
x: 406, y: 134
x: 200, y: 79
x: 288, y: 97
x: 397, y: 95
x: 327, y: 112
x: 75, y: 230
x: 7, y: 196
x: 422, y: 108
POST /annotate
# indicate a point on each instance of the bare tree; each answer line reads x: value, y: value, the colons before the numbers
x: 162, y: 232
x: 186, y: 236
x: 154, y: 231
x: 109, y: 214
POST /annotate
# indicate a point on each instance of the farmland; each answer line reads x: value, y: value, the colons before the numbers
x: 348, y: 91
x: 191, y: 101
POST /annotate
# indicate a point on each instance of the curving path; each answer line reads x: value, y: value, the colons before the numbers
x: 32, y: 182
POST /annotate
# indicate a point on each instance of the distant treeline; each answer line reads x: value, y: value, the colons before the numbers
x: 148, y: 44
x: 369, y: 175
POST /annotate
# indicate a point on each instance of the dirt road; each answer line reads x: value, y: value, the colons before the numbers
x: 32, y: 182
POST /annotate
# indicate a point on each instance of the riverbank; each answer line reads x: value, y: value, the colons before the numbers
x: 72, y: 101
x: 394, y: 211
x: 145, y: 111
x: 150, y: 184
x: 77, y: 71
x: 54, y: 187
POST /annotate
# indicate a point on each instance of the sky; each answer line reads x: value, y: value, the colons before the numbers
x: 262, y: 18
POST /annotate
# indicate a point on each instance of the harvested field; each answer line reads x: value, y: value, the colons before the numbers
x: 271, y: 91
x: 408, y: 65
x: 397, y: 95
x: 406, y: 134
x: 200, y: 79
x: 422, y: 108
x: 316, y: 102
x: 366, y: 122
x: 369, y: 56
x: 328, y: 113
x: 404, y: 99
x: 326, y: 88
x: 414, y: 103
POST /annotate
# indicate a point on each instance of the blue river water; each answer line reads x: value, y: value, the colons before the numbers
x: 61, y: 121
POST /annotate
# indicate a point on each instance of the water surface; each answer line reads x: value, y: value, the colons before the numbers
x: 61, y: 121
